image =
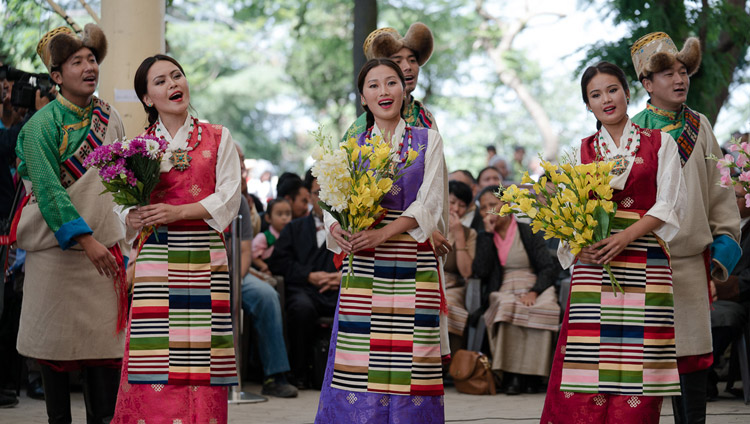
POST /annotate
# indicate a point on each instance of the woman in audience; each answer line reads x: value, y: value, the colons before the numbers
x: 457, y: 266
x: 517, y: 274
x: 179, y: 358
x: 489, y: 176
x: 615, y: 358
x: 384, y: 362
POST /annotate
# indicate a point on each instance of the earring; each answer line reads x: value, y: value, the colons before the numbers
x: 364, y: 103
x: 149, y: 104
x: 627, y: 100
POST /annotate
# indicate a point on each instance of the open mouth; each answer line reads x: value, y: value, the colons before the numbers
x: 408, y: 78
x: 89, y: 78
x: 385, y: 103
x: 679, y: 90
x: 609, y: 109
x: 176, y: 97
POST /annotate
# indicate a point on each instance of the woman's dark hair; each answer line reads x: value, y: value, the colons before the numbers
x: 272, y: 204
x: 140, y: 82
x: 489, y: 189
x: 374, y: 63
x: 460, y: 190
x: 604, y: 68
x: 489, y: 168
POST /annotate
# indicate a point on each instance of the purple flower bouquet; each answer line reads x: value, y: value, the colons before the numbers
x: 129, y: 168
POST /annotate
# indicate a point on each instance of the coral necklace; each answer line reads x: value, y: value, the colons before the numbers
x: 406, y: 141
x: 180, y: 158
x: 621, y: 160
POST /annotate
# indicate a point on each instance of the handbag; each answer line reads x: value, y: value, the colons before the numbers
x: 471, y: 373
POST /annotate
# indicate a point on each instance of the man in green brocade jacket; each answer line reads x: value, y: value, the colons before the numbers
x: 708, y: 239
x: 75, y: 298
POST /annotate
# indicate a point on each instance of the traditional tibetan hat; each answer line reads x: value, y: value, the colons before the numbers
x: 59, y: 44
x: 385, y: 42
x: 656, y: 52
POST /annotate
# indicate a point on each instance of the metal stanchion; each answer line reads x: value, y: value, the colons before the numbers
x: 236, y: 395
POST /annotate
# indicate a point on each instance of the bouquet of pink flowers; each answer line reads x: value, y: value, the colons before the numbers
x: 735, y: 167
x: 129, y: 168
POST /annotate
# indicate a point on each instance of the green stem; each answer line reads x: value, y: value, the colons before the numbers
x: 613, y: 280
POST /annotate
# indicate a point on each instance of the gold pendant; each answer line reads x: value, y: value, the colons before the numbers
x: 180, y: 159
x: 621, y: 164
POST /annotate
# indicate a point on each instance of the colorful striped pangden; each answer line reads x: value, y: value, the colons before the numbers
x: 623, y: 344
x: 388, y: 335
x: 181, y: 280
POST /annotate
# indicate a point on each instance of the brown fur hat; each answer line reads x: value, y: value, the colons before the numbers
x: 656, y: 52
x: 59, y: 44
x: 385, y: 42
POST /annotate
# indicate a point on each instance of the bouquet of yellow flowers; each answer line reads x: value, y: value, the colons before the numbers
x: 353, y: 178
x: 571, y: 203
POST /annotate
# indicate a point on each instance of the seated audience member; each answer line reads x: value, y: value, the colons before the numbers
x: 522, y: 313
x: 465, y: 177
x: 261, y: 301
x: 278, y: 214
x: 300, y: 255
x: 731, y: 306
x: 252, y: 201
x: 292, y: 188
x: 457, y: 265
x: 489, y: 176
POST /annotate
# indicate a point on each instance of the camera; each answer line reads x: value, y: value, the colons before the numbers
x: 25, y: 86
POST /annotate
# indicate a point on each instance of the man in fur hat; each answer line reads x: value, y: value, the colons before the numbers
x: 707, y: 244
x: 75, y: 295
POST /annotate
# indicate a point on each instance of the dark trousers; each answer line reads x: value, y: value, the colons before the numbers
x: 304, y: 305
x: 690, y: 407
x: 100, y: 386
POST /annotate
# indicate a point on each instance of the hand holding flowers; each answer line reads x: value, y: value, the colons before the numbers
x: 353, y: 180
x: 573, y: 204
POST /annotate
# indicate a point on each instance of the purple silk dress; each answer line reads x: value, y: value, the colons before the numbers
x: 360, y: 398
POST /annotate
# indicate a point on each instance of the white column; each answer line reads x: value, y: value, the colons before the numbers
x: 135, y: 30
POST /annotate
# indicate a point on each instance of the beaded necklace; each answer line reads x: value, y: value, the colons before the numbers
x: 402, y: 153
x: 621, y: 160
x: 180, y: 158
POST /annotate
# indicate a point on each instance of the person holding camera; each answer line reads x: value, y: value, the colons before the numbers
x: 12, y: 118
x: 72, y: 316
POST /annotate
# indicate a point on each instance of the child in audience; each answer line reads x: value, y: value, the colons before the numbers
x: 278, y: 214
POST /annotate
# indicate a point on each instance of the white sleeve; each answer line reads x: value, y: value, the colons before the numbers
x: 427, y: 209
x: 224, y: 204
x: 670, y: 190
x: 328, y: 220
x: 122, y: 212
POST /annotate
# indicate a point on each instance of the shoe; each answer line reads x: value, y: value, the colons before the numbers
x: 8, y: 401
x: 530, y: 384
x: 35, y: 390
x: 278, y: 387
x: 514, y: 387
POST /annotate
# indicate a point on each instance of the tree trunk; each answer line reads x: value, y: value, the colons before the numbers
x: 365, y: 22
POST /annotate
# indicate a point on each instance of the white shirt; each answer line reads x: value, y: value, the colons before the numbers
x: 224, y: 203
x: 427, y: 208
x: 671, y: 192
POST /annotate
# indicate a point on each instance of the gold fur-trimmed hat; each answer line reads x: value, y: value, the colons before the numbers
x: 57, y: 45
x: 656, y: 52
x: 385, y: 42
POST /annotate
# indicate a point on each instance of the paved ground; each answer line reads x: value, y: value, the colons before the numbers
x: 459, y: 408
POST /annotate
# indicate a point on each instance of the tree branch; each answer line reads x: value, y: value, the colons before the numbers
x: 65, y: 16
x: 90, y: 10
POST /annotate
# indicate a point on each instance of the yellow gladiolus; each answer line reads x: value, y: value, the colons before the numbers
x: 526, y: 179
x: 604, y: 191
x: 385, y: 185
x: 566, y: 231
x: 506, y: 210
x: 588, y: 234
x: 412, y: 155
x: 607, y: 206
x: 590, y: 221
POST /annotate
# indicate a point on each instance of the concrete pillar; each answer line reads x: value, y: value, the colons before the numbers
x: 135, y: 30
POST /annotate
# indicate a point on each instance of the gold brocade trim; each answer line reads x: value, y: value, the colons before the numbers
x: 648, y: 38
x: 661, y: 112
x: 82, y: 112
x: 69, y: 128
